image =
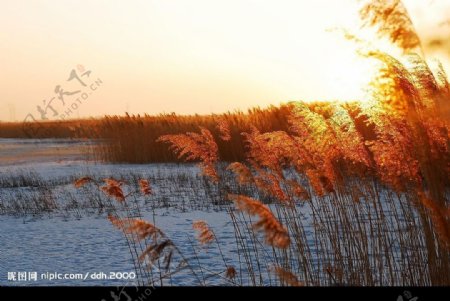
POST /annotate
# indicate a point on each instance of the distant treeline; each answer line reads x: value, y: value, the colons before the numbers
x: 132, y: 138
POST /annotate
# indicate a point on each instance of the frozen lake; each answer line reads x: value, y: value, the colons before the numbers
x: 27, y: 151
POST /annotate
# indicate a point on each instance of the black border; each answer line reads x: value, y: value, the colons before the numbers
x: 227, y: 293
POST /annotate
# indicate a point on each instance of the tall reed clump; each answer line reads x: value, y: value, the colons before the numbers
x: 134, y: 139
x: 374, y: 174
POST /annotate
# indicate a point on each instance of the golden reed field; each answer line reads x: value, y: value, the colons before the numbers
x: 374, y: 173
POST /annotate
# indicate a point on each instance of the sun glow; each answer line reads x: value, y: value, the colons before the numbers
x: 350, y: 77
x: 199, y: 56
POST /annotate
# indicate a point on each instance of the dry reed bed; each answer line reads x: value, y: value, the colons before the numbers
x: 178, y: 187
x: 132, y: 138
x: 374, y: 173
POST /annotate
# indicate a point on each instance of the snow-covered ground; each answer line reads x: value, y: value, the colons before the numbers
x: 71, y: 234
x: 91, y: 245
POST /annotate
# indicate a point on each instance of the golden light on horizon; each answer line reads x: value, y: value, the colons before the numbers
x: 178, y: 56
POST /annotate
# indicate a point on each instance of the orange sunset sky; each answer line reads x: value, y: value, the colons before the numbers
x: 197, y: 56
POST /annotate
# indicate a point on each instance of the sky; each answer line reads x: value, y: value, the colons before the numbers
x: 70, y: 59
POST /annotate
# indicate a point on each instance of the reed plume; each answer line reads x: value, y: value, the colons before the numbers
x: 113, y: 189
x: 224, y: 128
x: 205, y: 234
x: 113, y: 182
x: 298, y: 190
x: 230, y: 272
x: 141, y: 228
x: 391, y: 19
x: 193, y: 147
x: 276, y: 235
x: 82, y: 181
x: 287, y: 277
x: 242, y: 172
x: 160, y: 247
x: 144, y: 186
